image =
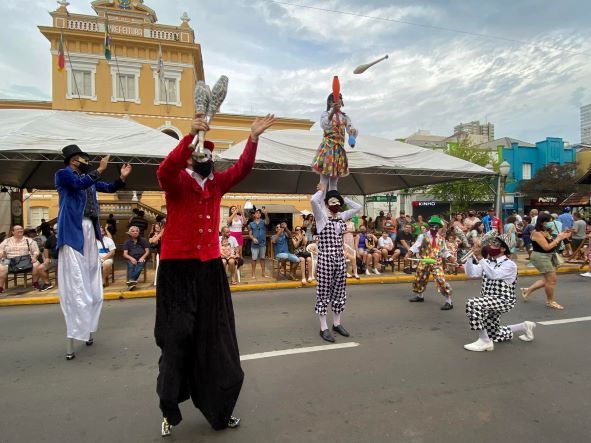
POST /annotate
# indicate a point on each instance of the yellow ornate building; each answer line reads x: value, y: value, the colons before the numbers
x: 130, y: 84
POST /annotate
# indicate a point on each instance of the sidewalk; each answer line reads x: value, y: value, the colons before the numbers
x: 118, y: 290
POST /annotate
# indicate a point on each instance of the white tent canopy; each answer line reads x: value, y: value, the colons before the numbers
x: 376, y: 165
x: 31, y: 143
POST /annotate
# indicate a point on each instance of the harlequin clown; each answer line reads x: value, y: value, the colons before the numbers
x: 331, y: 158
x: 499, y: 274
x: 194, y: 315
x: 431, y: 245
x: 331, y: 269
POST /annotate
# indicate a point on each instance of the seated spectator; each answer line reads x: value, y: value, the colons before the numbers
x: 373, y: 253
x: 233, y: 262
x: 229, y: 257
x: 360, y: 244
x: 300, y: 242
x: 135, y: 250
x: 12, y: 248
x: 106, y: 251
x: 282, y: 234
x: 386, y: 247
x: 404, y: 241
x: 237, y: 261
x: 50, y: 251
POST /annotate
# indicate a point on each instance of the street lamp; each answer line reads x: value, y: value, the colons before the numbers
x: 504, y: 169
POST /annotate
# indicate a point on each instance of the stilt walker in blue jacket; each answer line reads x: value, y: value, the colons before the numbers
x: 79, y: 269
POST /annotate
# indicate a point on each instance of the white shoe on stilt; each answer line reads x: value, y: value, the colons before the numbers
x: 480, y: 346
x: 529, y: 331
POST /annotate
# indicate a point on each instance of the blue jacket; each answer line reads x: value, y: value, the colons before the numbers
x: 71, y: 188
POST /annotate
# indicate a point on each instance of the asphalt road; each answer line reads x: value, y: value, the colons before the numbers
x: 409, y: 380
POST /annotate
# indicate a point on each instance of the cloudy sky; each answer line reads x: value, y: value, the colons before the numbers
x: 529, y: 81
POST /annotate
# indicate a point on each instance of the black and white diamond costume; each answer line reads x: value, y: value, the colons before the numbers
x: 331, y: 266
x: 497, y: 296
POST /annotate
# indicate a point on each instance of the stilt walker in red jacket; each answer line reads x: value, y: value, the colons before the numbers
x: 194, y: 316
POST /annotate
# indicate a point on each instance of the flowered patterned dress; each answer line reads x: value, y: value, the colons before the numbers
x: 331, y: 158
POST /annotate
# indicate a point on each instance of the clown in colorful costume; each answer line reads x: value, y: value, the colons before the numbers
x: 497, y: 297
x: 331, y: 159
x: 431, y: 245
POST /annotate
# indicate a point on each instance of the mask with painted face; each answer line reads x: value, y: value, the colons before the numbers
x: 493, y: 251
x: 203, y: 165
x: 434, y: 229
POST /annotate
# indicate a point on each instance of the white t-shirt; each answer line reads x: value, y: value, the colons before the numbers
x: 385, y: 242
x: 109, y: 246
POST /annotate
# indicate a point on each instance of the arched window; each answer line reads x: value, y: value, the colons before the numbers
x: 170, y: 132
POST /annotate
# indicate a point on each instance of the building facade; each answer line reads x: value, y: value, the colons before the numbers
x: 150, y: 78
x: 525, y: 160
x: 486, y: 130
x: 586, y: 124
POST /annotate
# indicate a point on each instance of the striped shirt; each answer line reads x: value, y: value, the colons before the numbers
x: 13, y: 248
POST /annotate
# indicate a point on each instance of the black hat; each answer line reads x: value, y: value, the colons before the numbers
x: 70, y: 151
x: 334, y: 194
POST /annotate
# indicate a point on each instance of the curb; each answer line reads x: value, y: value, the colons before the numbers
x: 149, y: 293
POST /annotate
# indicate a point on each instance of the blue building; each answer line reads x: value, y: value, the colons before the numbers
x: 525, y: 160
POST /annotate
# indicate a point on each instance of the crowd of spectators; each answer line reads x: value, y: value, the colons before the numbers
x: 370, y: 246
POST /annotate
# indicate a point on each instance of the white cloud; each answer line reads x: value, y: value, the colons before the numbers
x: 281, y: 59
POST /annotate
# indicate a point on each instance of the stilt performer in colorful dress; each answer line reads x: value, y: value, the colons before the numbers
x: 430, y: 247
x: 499, y: 274
x: 331, y: 158
x: 331, y: 269
x: 194, y: 316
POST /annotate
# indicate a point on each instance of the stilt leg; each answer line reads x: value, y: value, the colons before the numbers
x: 70, y: 349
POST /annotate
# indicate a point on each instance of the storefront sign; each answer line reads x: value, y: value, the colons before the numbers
x: 545, y: 201
x: 381, y: 198
x: 418, y: 203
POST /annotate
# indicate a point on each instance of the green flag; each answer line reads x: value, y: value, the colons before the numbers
x: 107, y: 40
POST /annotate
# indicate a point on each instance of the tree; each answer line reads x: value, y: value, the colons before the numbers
x: 553, y: 180
x: 463, y: 194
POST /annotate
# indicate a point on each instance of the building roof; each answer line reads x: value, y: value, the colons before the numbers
x: 586, y: 178
x: 577, y: 199
x: 505, y: 142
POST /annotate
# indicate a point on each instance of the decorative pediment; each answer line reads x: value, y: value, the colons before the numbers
x: 122, y: 6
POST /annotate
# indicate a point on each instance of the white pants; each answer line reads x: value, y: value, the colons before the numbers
x: 81, y: 286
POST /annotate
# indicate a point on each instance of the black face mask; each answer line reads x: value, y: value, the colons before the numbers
x: 84, y: 168
x: 203, y: 169
x: 334, y: 208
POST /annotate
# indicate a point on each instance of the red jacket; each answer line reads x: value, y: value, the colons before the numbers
x: 193, y: 214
